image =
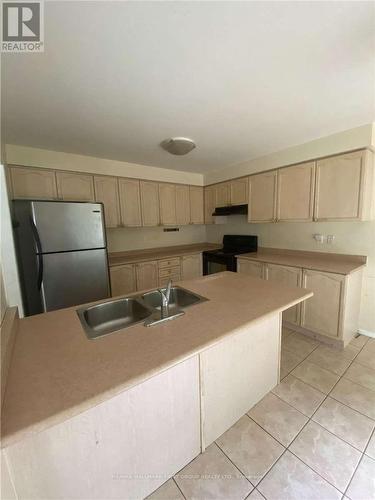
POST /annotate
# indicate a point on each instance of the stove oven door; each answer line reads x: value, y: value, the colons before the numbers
x: 217, y: 263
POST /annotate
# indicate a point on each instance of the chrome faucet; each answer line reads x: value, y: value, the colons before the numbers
x: 165, y: 297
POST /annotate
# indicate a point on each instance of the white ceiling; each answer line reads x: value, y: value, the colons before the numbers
x: 242, y: 79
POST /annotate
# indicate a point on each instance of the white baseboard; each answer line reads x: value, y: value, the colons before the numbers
x: 367, y: 333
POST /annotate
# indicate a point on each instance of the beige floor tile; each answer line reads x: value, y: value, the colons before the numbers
x: 212, y: 476
x: 347, y: 424
x: 278, y: 418
x: 250, y: 448
x: 357, y: 397
x: 301, y: 396
x: 330, y: 359
x: 289, y: 360
x: 328, y: 455
x: 286, y: 332
x: 290, y: 479
x: 168, y: 491
x: 361, y: 375
x: 255, y: 495
x: 299, y: 344
x: 359, y: 341
x: 367, y: 356
x: 350, y: 352
x: 362, y: 486
x: 316, y: 376
x: 370, y: 450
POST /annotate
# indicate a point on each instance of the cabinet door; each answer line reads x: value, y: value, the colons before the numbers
x: 167, y: 200
x: 196, y: 205
x: 262, y: 197
x: 150, y: 203
x: 36, y: 183
x: 182, y: 205
x: 238, y: 191
x: 209, y: 204
x: 191, y: 266
x: 106, y: 192
x: 290, y: 276
x: 147, y: 275
x: 322, y: 312
x: 295, y: 197
x: 339, y: 182
x: 122, y: 279
x: 73, y: 186
x: 252, y: 268
x: 222, y: 195
x: 130, y: 202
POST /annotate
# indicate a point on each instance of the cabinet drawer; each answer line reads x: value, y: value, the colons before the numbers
x: 173, y: 278
x: 169, y: 263
x: 163, y: 273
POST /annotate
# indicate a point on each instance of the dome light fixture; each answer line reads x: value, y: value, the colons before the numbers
x: 178, y: 145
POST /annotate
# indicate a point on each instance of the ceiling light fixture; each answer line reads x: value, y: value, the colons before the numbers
x: 178, y: 145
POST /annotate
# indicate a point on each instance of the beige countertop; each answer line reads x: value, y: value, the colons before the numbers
x: 319, y: 261
x: 56, y: 372
x: 132, y: 256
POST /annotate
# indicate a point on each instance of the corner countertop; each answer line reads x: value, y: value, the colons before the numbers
x: 132, y: 256
x: 57, y: 373
x: 318, y: 261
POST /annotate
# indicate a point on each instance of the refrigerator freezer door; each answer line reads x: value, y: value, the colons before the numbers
x: 63, y: 226
x: 73, y: 278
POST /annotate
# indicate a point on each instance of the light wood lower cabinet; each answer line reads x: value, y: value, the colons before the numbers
x: 147, y: 275
x: 106, y: 192
x: 191, y: 266
x: 322, y: 313
x: 290, y: 276
x: 150, y: 203
x: 182, y: 205
x: 196, y: 205
x: 36, y: 183
x: 73, y: 186
x: 123, y: 448
x: 123, y: 280
x: 262, y: 197
x: 130, y: 202
x: 167, y: 201
x: 255, y: 269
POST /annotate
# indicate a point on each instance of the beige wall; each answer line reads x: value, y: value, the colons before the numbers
x: 122, y: 239
x: 350, y: 238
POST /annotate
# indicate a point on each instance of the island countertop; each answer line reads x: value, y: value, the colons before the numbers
x: 57, y: 373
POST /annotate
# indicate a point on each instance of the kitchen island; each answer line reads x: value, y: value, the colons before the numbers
x: 130, y: 409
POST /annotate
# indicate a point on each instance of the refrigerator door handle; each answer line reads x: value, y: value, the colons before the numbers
x: 39, y: 252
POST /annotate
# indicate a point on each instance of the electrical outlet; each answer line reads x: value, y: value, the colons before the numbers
x: 330, y: 239
x: 319, y: 238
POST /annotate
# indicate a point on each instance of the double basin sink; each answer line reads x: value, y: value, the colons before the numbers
x: 108, y: 317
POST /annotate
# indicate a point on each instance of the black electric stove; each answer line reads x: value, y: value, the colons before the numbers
x: 224, y: 259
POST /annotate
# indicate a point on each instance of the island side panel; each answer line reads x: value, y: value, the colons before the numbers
x: 125, y: 447
x: 237, y: 373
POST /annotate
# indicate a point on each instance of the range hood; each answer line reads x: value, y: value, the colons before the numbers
x: 232, y: 210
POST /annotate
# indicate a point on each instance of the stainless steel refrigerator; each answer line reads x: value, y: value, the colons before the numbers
x: 61, y: 253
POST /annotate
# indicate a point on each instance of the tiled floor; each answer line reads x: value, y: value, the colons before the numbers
x: 312, y: 437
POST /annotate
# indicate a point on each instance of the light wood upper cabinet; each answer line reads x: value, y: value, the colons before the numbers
x: 146, y: 275
x: 123, y: 279
x: 322, y: 312
x: 290, y: 276
x: 295, y: 192
x: 106, y: 192
x: 36, y: 183
x: 191, y: 266
x: 130, y: 202
x: 182, y: 205
x: 345, y: 187
x: 73, y: 186
x: 196, y: 205
x: 262, y: 197
x: 150, y: 203
x: 209, y: 204
x: 251, y: 268
x: 222, y: 194
x: 167, y: 200
x: 238, y: 191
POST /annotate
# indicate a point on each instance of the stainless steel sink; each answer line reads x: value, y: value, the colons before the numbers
x: 105, y: 318
x: 113, y: 315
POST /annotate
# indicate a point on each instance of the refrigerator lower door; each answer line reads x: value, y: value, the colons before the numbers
x: 72, y: 278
